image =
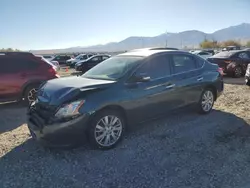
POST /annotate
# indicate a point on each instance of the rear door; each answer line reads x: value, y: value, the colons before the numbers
x: 187, y: 77
x: 15, y: 72
x: 93, y: 61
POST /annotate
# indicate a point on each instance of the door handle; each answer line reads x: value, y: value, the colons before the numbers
x: 170, y: 86
x: 200, y: 79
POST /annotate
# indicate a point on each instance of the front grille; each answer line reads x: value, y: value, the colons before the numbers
x: 45, y: 111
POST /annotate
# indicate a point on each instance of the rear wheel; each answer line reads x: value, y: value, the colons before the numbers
x: 237, y: 72
x: 106, y: 129
x: 206, y: 102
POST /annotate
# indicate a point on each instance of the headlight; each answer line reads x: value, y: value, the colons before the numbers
x: 70, y: 109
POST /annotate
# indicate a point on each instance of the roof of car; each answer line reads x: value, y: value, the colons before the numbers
x: 146, y: 52
x: 17, y: 53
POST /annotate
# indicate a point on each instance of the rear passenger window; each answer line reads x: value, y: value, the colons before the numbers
x: 158, y: 67
x: 183, y: 63
x: 15, y: 65
x: 200, y: 62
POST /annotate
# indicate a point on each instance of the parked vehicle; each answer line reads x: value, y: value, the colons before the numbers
x: 61, y: 59
x: 233, y: 63
x: 209, y: 51
x: 229, y: 48
x: 57, y: 65
x: 247, y: 75
x: 71, y: 62
x: 48, y: 57
x: 21, y: 73
x: 202, y: 54
x: 87, y: 64
x: 123, y: 90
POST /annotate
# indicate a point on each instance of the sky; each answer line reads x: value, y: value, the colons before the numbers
x: 54, y: 24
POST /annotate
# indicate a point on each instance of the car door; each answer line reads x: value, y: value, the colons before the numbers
x: 93, y: 62
x: 155, y: 96
x: 187, y: 77
x: 12, y: 78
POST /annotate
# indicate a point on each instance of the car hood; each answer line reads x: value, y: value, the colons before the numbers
x: 69, y: 60
x: 61, y: 90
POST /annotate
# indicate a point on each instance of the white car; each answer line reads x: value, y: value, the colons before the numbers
x: 202, y: 54
x: 71, y: 62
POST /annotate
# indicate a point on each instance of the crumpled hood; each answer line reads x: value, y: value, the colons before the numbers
x: 58, y: 91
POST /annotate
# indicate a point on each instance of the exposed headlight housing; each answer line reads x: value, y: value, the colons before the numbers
x: 69, y: 110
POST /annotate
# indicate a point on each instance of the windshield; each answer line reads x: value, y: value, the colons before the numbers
x: 113, y: 68
x: 79, y: 56
x: 224, y: 54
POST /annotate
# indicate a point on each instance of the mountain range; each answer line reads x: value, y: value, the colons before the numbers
x: 187, y: 39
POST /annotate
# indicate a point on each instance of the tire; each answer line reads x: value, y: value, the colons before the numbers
x: 97, y: 128
x: 237, y: 72
x: 247, y: 81
x: 206, y: 101
x: 31, y: 89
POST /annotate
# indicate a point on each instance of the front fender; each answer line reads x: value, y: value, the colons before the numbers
x: 31, y: 82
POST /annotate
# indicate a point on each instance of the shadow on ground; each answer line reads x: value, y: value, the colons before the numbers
x: 234, y: 81
x: 12, y: 115
x: 179, y: 150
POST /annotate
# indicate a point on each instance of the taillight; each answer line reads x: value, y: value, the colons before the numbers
x: 220, y: 70
x: 52, y: 71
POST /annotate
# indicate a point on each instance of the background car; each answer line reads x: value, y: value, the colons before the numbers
x: 61, y: 59
x: 234, y: 63
x: 123, y: 90
x: 87, y: 64
x: 21, y: 74
x: 247, y: 75
x: 48, y: 57
x: 57, y: 65
x: 71, y: 62
x: 230, y: 48
x: 202, y: 54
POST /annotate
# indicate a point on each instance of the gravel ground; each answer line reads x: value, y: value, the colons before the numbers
x: 180, y: 150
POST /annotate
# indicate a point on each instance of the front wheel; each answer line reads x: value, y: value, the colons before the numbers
x: 206, y: 102
x: 106, y: 129
x: 30, y: 93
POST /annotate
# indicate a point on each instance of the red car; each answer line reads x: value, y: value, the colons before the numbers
x: 21, y: 73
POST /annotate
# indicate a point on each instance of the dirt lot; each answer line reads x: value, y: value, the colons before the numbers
x: 180, y: 150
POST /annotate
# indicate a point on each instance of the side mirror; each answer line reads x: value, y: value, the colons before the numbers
x: 140, y: 78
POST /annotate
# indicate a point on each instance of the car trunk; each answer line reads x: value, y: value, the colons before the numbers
x: 221, y: 62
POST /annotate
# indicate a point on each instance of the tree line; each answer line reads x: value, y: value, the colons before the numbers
x: 215, y: 44
x: 204, y: 44
x: 9, y: 50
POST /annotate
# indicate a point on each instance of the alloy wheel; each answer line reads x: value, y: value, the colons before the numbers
x: 32, y: 95
x: 238, y: 72
x: 207, y: 100
x: 108, y: 130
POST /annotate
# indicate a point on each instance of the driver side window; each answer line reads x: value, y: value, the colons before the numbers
x: 158, y: 67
